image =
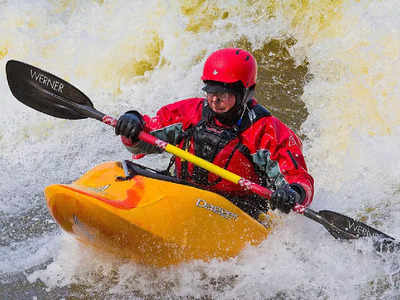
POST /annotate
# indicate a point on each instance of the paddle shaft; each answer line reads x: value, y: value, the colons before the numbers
x: 202, y: 163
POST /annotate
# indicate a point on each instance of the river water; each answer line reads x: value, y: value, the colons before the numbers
x: 330, y: 69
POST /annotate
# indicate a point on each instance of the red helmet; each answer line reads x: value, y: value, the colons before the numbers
x: 231, y: 65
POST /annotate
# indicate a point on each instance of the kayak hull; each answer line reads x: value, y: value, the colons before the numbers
x: 152, y: 221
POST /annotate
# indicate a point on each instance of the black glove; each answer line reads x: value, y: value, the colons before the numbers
x: 130, y: 124
x: 286, y: 197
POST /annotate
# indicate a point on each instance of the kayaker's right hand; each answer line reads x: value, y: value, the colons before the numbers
x: 130, y: 124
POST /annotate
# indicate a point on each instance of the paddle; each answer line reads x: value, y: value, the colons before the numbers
x: 51, y: 95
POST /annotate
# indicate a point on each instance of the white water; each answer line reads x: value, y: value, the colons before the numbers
x: 144, y: 54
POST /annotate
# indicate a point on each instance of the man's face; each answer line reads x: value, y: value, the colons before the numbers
x: 221, y: 102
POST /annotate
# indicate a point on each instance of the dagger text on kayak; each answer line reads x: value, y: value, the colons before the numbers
x: 216, y: 209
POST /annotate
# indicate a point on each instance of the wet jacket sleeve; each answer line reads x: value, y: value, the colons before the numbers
x: 277, y: 153
x: 167, y: 125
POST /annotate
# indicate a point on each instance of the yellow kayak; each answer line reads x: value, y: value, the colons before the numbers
x: 151, y: 218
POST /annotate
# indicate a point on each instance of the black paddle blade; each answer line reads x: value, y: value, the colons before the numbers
x: 355, y: 229
x: 352, y: 226
x: 45, y: 92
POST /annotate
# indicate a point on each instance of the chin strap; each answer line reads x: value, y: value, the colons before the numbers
x: 248, y: 94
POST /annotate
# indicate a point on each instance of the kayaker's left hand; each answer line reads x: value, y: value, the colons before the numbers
x: 130, y: 125
x: 285, y: 198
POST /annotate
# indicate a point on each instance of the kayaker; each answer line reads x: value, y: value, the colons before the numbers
x: 230, y: 129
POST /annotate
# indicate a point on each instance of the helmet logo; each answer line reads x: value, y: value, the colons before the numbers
x: 215, y: 72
